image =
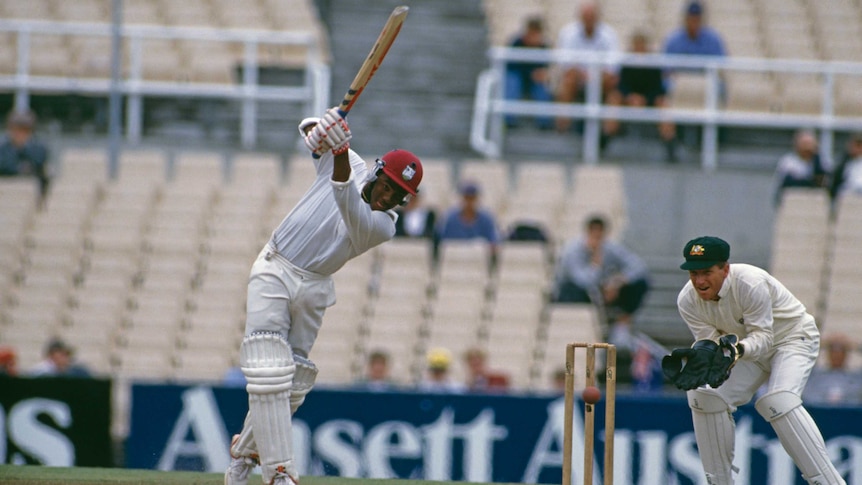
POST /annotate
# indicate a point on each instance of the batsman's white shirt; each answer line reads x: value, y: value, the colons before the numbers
x: 331, y: 224
x: 780, y: 337
x: 290, y: 285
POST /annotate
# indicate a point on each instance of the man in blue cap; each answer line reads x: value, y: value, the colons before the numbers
x: 749, y: 331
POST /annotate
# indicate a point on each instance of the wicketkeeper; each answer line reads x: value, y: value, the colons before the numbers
x: 345, y: 212
x: 749, y: 330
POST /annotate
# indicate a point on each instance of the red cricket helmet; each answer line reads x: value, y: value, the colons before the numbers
x: 404, y: 168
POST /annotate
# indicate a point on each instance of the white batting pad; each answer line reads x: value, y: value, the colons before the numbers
x: 303, y: 381
x: 799, y: 436
x: 714, y: 433
x: 267, y: 362
x: 244, y: 444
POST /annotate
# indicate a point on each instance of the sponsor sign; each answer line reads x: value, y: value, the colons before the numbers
x: 55, y: 421
x: 476, y: 438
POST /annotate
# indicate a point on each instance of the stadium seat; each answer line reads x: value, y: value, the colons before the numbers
x: 567, y: 323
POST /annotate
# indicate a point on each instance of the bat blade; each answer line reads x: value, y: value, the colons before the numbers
x: 375, y: 58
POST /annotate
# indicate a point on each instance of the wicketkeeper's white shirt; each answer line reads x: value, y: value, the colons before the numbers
x: 752, y: 304
x: 331, y: 224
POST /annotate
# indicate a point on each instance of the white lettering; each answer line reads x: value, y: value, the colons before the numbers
x: 480, y: 435
x: 781, y: 467
x: 684, y: 458
x: 438, y: 447
x: 44, y: 443
x: 846, y: 453
x: 201, y: 416
x: 343, y: 455
x: 652, y: 446
x: 392, y: 439
x: 552, y: 437
x: 302, y: 448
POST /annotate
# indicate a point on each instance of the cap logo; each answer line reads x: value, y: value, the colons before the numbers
x: 409, y: 172
x: 696, y: 250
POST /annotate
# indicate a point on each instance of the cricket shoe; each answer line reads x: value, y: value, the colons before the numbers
x: 240, y: 467
x: 282, y: 478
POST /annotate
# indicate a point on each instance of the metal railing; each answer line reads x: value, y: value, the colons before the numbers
x: 488, y: 130
x: 312, y: 94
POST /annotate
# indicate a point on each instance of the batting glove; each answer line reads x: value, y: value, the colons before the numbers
x: 338, y: 132
x: 317, y: 140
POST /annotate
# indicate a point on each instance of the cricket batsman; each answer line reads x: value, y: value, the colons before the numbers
x: 749, y: 330
x: 345, y: 212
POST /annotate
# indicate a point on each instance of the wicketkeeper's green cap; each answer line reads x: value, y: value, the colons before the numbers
x: 705, y: 251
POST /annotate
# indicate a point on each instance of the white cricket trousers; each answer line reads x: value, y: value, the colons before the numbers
x: 287, y: 299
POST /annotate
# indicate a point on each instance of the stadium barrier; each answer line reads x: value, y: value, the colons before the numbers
x: 472, y: 437
x: 487, y: 135
x: 312, y: 94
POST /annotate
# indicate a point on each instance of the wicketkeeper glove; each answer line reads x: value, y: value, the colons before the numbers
x: 725, y: 358
x: 690, y: 368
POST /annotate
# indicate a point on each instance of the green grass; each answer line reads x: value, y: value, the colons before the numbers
x: 40, y: 475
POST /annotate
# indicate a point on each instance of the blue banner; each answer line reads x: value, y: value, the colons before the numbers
x: 477, y: 438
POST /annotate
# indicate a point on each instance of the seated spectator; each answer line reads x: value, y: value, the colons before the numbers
x: 21, y: 153
x: 437, y: 378
x: 595, y: 269
x: 479, y: 377
x: 589, y: 34
x: 234, y: 377
x: 802, y: 167
x: 642, y: 86
x: 59, y: 362
x: 469, y: 221
x: 8, y: 362
x: 529, y: 80
x: 696, y: 39
x: 415, y: 219
x: 646, y: 374
x: 377, y: 373
x: 835, y: 382
x: 848, y: 174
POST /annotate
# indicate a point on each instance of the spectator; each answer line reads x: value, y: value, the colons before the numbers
x: 589, y: 34
x: 59, y: 362
x: 848, y: 175
x: 595, y: 269
x: 8, y: 362
x: 529, y: 80
x: 21, y: 154
x: 234, y: 377
x: 377, y: 373
x: 470, y: 221
x: 646, y: 372
x: 479, y: 377
x: 641, y: 86
x: 835, y: 382
x: 415, y: 219
x: 802, y: 167
x: 696, y: 39
x: 438, y: 378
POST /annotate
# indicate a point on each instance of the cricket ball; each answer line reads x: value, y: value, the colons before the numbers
x: 591, y: 394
